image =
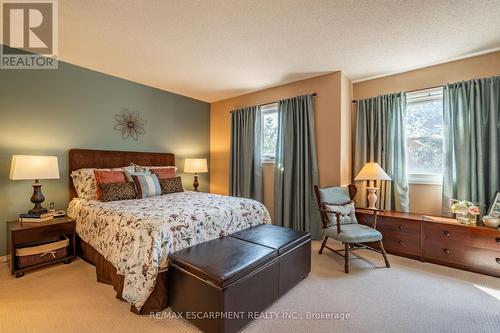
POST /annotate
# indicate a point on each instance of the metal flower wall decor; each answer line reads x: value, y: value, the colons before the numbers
x: 130, y: 123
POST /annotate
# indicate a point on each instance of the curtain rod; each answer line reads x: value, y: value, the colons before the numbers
x: 410, y: 91
x: 313, y: 94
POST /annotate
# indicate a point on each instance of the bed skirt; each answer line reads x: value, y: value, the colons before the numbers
x: 106, y: 273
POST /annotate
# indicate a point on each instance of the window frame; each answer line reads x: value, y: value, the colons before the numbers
x: 417, y: 96
x: 265, y: 110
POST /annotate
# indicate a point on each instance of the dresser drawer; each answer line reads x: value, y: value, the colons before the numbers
x: 456, y: 253
x: 365, y: 218
x: 401, y: 242
x: 463, y: 235
x: 395, y: 225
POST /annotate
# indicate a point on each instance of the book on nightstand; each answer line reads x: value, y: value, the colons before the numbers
x: 36, y: 218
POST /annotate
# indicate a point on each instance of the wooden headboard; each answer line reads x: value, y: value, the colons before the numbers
x: 86, y: 158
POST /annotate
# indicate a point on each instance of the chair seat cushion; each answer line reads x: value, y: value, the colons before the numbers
x: 353, y: 233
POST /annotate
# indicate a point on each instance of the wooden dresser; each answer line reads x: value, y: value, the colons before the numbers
x: 438, y: 240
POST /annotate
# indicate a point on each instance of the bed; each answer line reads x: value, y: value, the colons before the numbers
x: 129, y: 241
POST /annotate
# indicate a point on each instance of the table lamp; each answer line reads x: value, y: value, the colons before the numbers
x: 31, y: 167
x: 371, y: 172
x: 195, y: 165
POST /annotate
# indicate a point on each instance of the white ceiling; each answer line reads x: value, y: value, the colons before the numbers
x: 213, y: 50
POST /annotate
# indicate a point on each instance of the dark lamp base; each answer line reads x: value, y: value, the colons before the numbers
x: 195, y: 183
x: 37, y: 198
x: 38, y: 211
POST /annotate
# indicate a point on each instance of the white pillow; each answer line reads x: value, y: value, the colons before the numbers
x: 142, y: 168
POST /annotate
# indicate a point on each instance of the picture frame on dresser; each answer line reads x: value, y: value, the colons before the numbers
x: 495, y: 206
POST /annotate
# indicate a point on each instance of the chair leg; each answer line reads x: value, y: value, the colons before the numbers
x: 385, y: 255
x: 323, y: 245
x: 346, y: 267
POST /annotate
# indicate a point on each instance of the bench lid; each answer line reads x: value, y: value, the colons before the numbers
x: 222, y: 261
x: 278, y: 238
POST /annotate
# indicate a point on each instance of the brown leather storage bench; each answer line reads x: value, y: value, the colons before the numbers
x: 294, y: 251
x: 221, y: 284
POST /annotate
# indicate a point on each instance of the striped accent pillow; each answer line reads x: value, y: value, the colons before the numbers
x: 146, y: 185
x: 129, y: 174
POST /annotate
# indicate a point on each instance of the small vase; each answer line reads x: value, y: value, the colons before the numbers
x: 466, y: 218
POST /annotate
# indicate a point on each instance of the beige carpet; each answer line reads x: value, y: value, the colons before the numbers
x: 410, y: 297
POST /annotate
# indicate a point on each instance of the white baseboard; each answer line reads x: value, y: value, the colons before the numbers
x: 3, y: 260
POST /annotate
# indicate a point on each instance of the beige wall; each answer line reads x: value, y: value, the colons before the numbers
x: 333, y: 155
x: 426, y: 199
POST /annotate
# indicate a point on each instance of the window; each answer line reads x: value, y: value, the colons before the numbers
x: 270, y: 132
x: 424, y: 136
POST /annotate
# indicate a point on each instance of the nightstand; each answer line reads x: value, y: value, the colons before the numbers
x: 23, y: 234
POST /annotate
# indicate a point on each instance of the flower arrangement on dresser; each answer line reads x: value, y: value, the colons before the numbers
x: 466, y: 211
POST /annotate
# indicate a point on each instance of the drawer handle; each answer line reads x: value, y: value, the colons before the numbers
x: 401, y: 227
x: 401, y: 242
x: 498, y: 260
x: 446, y: 233
x: 446, y: 251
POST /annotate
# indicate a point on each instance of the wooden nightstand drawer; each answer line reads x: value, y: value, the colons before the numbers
x: 461, y: 234
x: 41, y: 232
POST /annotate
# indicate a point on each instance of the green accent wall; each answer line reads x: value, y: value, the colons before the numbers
x: 48, y: 112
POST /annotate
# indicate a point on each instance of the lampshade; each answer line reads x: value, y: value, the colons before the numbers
x: 372, y: 171
x: 33, y: 167
x: 195, y: 165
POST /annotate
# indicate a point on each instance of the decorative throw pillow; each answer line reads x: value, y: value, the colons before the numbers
x: 108, y: 177
x: 118, y: 191
x: 146, y: 185
x: 347, y: 212
x: 129, y: 168
x: 164, y: 173
x: 85, y: 183
x: 140, y: 168
x: 129, y: 174
x: 171, y: 185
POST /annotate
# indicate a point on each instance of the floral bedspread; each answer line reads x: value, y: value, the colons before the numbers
x: 137, y: 236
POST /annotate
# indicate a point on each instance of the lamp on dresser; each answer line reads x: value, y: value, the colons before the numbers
x: 33, y: 167
x: 372, y: 172
x: 196, y: 166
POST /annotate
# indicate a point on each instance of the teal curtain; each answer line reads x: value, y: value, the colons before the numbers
x: 471, y: 141
x: 380, y: 137
x: 245, y: 155
x: 296, y: 167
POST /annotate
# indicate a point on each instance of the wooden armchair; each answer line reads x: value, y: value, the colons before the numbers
x: 339, y: 221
